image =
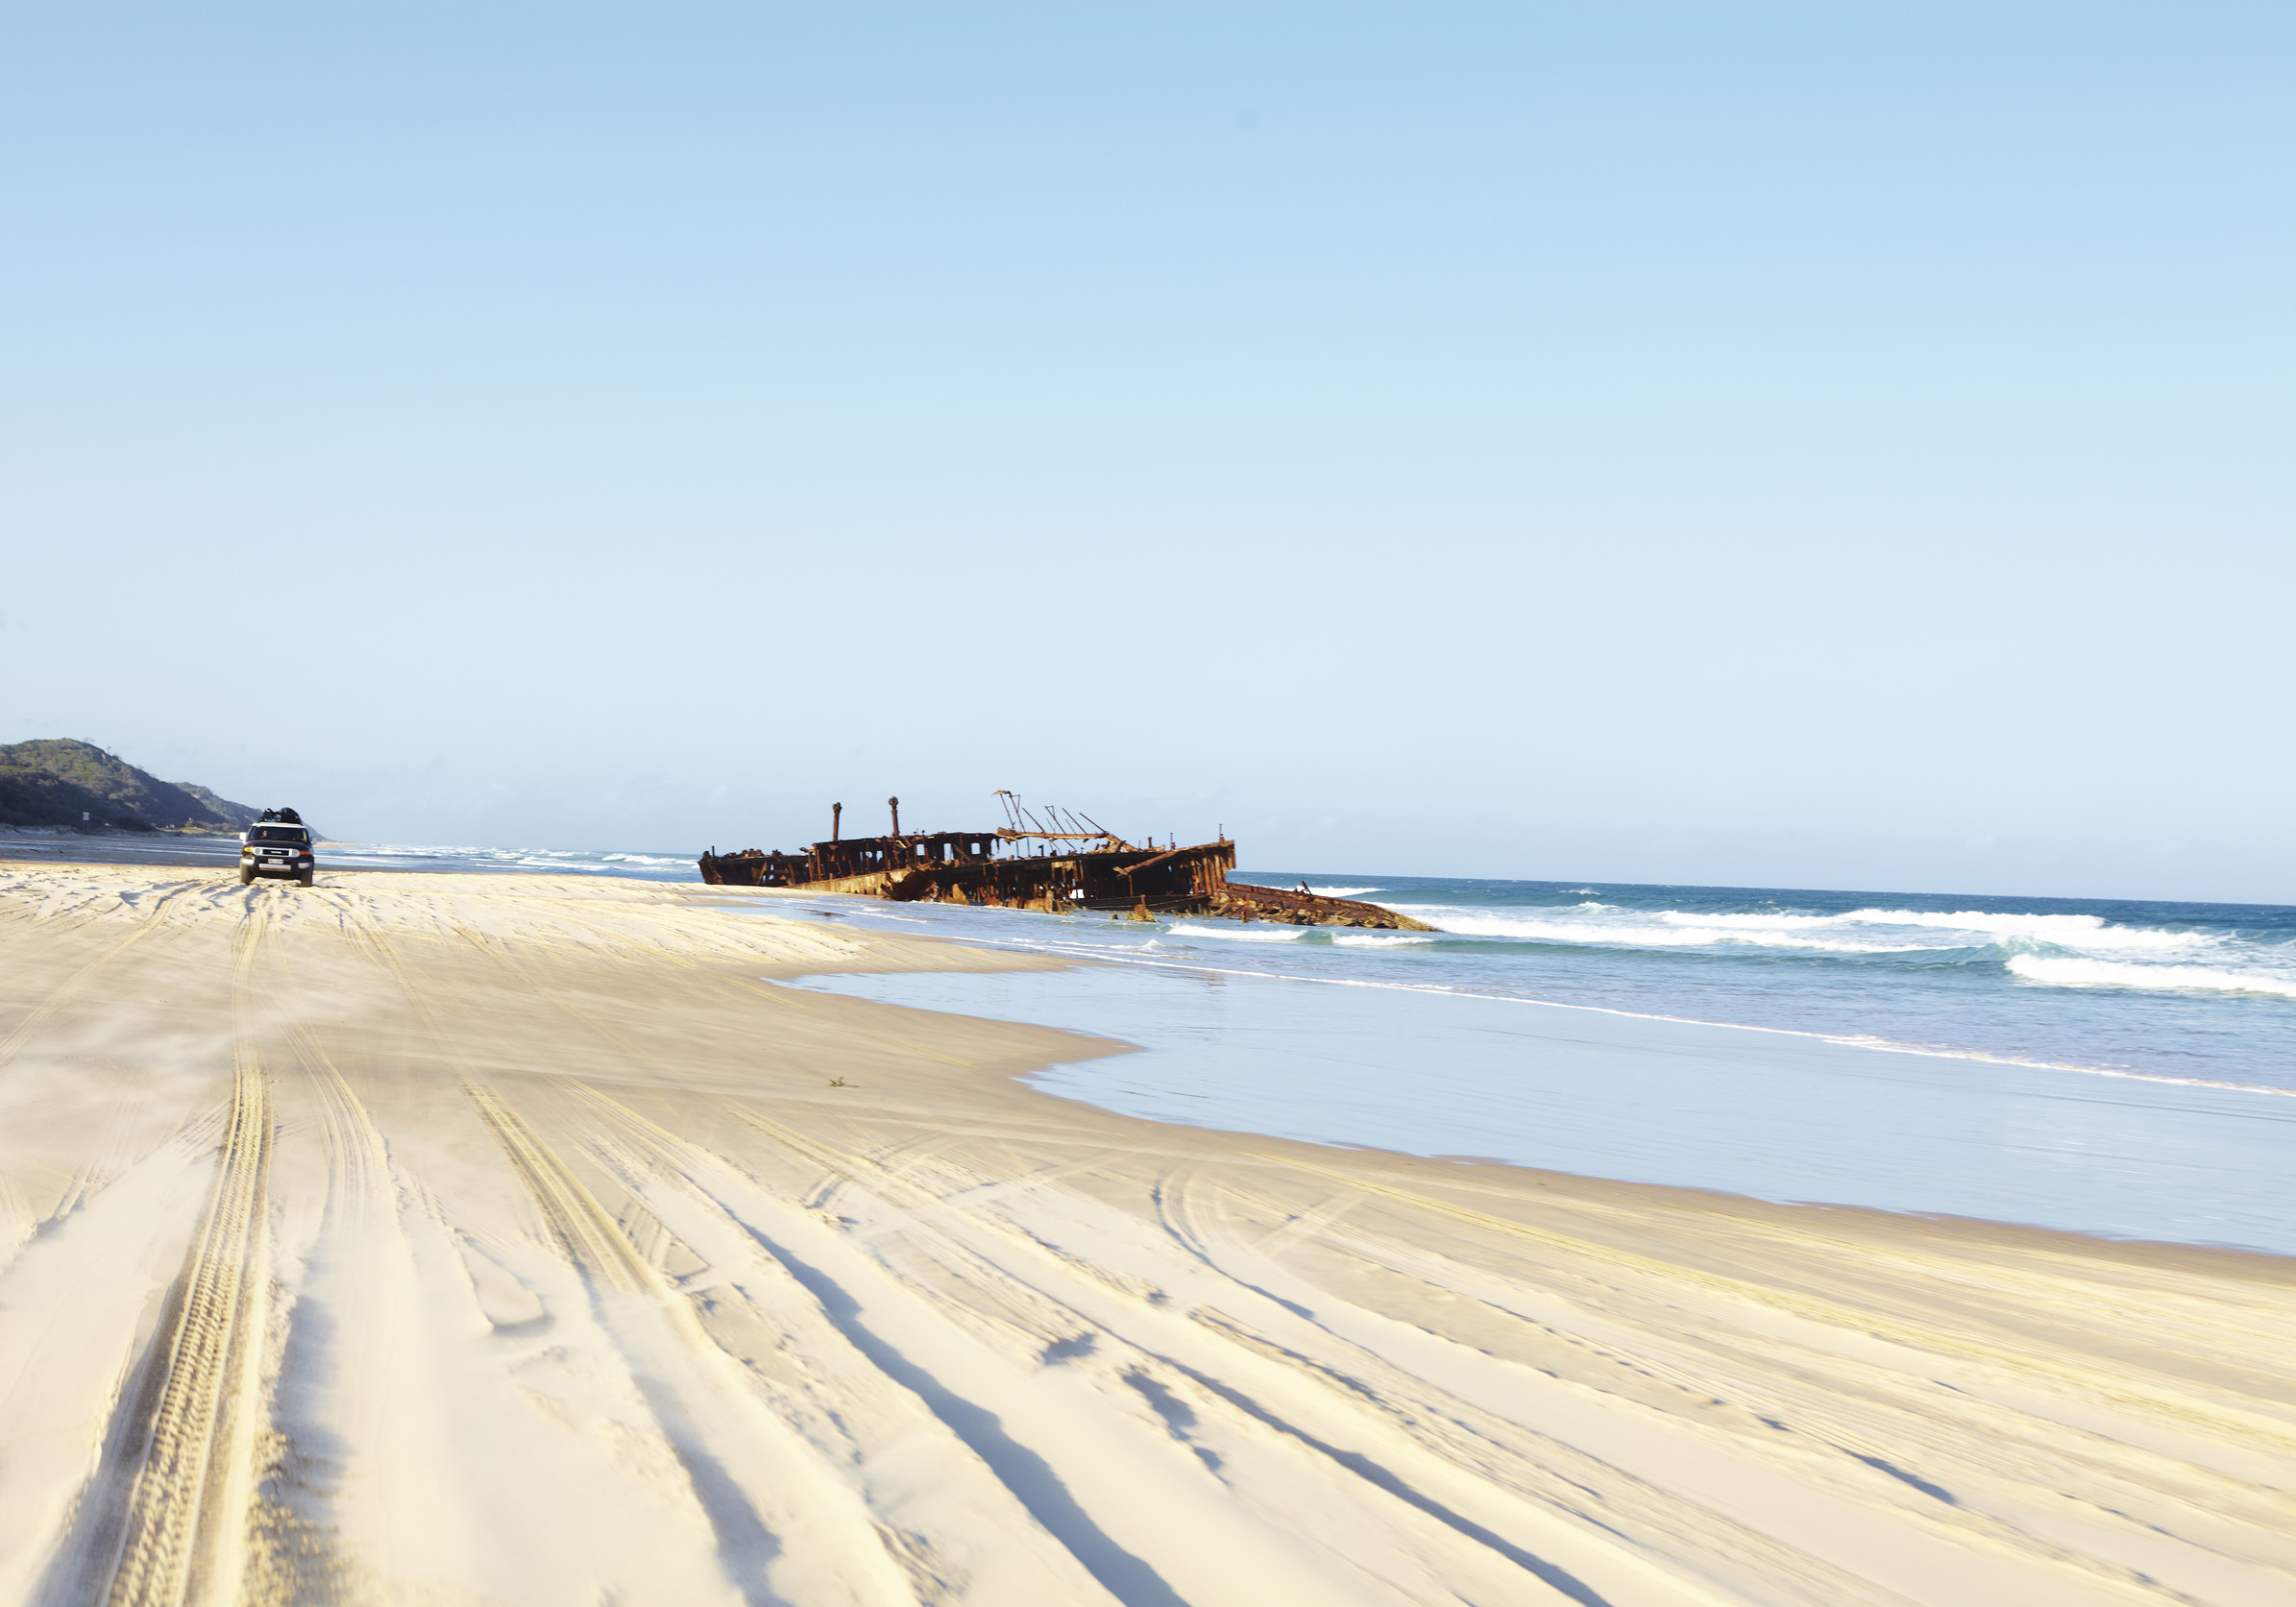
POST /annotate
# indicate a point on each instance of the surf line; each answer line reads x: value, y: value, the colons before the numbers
x: 1107, y: 956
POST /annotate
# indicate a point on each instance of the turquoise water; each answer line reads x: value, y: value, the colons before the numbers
x: 2201, y: 992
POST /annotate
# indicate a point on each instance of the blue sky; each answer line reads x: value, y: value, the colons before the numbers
x: 1822, y: 445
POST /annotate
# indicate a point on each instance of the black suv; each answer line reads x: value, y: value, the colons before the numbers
x: 270, y: 849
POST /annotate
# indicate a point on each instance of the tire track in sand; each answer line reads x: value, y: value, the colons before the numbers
x: 61, y: 995
x: 179, y: 1534
x: 591, y: 1238
x: 625, y: 1293
x: 582, y: 1226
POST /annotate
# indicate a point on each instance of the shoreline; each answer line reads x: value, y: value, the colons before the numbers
x: 1756, y: 1111
x: 827, y: 1271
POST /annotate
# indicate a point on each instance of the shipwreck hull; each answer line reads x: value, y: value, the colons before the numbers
x: 964, y: 867
x: 964, y: 870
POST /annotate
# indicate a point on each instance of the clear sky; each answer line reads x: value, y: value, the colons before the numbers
x: 1840, y: 444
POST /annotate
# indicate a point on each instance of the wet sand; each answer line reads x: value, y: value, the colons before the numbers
x: 194, y: 850
x: 459, y: 1240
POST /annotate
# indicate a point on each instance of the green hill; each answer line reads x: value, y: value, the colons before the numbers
x: 57, y: 781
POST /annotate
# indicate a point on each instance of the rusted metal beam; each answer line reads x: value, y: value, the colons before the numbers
x: 1105, y: 832
x: 1169, y: 853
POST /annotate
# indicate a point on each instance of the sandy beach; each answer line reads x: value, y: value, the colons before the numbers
x: 522, y: 1239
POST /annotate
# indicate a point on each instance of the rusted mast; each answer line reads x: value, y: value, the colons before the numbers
x: 894, y: 804
x: 836, y: 813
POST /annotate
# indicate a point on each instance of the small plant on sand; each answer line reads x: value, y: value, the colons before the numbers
x: 837, y: 1081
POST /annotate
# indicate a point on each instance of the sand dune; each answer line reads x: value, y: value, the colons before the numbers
x: 467, y: 1239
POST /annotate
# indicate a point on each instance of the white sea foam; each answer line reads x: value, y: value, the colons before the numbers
x: 2069, y: 972
x: 2068, y: 931
x: 1636, y: 931
x: 1340, y: 892
x: 1852, y: 1040
x: 1242, y: 933
x: 466, y: 857
x: 1858, y: 931
x: 1382, y: 940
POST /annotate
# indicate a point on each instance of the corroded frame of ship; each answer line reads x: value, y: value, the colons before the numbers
x: 1071, y: 866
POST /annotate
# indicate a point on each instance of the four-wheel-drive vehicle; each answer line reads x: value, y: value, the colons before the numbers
x: 275, y: 850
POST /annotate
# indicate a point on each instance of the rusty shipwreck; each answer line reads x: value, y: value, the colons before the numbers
x: 1055, y: 861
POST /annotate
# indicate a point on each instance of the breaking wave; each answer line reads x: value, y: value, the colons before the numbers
x: 1640, y: 932
x: 1256, y: 932
x: 2070, y: 931
x: 1240, y: 933
x: 463, y: 857
x: 2183, y: 994
x: 1854, y: 932
x: 2070, y: 972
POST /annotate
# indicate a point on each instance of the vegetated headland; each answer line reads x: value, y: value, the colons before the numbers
x: 64, y: 782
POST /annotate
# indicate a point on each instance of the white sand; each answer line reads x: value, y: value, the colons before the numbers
x: 463, y: 1239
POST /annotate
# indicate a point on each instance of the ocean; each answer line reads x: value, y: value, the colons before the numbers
x: 38, y: 845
